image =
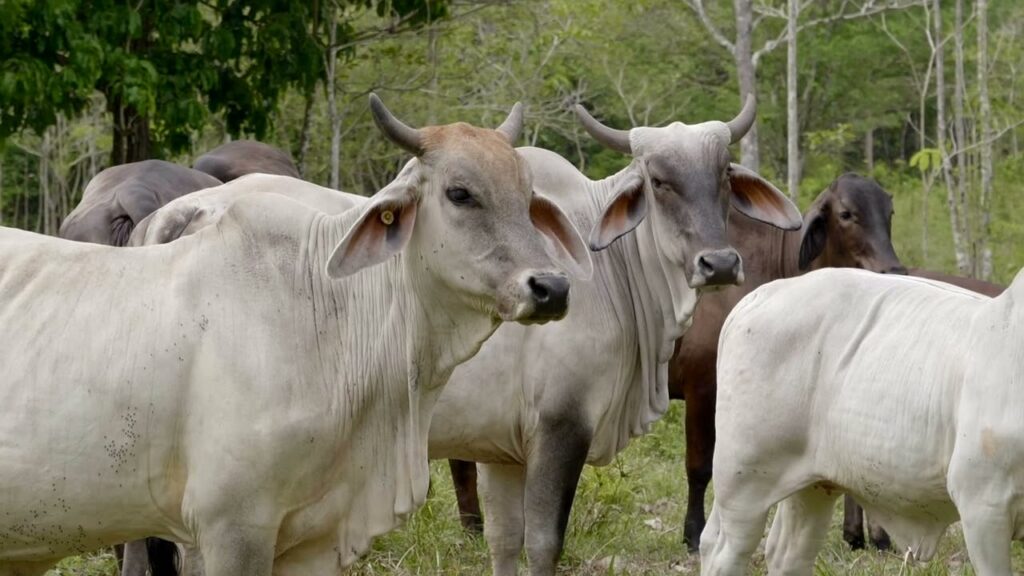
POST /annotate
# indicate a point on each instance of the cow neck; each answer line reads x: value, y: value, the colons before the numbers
x: 768, y: 253
x: 388, y: 347
x: 657, y: 297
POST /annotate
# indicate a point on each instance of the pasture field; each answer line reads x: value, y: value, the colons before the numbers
x: 627, y: 520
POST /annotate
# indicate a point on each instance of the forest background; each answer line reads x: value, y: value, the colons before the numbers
x: 920, y: 94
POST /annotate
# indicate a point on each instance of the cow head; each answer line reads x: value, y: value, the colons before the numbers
x: 683, y: 174
x: 850, y: 225
x: 465, y: 213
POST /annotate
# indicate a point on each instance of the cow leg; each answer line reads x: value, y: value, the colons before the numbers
x: 238, y: 549
x: 700, y: 447
x: 988, y: 532
x: 163, y: 557
x: 878, y: 536
x: 464, y: 479
x: 731, y: 536
x: 136, y: 559
x: 798, y: 532
x: 503, y: 487
x: 853, y: 523
x: 191, y: 561
x: 555, y: 465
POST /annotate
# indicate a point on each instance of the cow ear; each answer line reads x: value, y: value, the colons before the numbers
x: 383, y: 230
x: 812, y: 243
x: 627, y: 209
x: 562, y: 240
x: 758, y: 198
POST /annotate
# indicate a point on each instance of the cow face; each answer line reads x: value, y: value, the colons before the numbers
x: 471, y: 227
x: 850, y: 225
x: 683, y: 175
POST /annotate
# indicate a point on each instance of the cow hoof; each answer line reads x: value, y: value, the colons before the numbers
x: 856, y: 541
x: 882, y: 542
x: 472, y: 524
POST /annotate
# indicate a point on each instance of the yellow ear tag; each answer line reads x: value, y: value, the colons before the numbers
x: 387, y: 217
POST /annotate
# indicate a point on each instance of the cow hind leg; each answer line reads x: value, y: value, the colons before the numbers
x: 135, y: 560
x: 503, y: 487
x: 730, y: 538
x: 552, y: 476
x: 700, y: 446
x: 798, y: 532
x: 878, y: 536
x: 464, y: 479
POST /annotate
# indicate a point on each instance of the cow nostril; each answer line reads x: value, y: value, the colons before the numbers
x: 705, y: 267
x: 539, y: 290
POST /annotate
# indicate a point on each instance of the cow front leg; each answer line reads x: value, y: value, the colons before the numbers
x: 503, y: 487
x: 555, y: 464
x: 238, y: 548
x: 988, y: 532
x: 853, y: 523
x: 464, y: 479
x: 700, y: 447
x: 163, y: 557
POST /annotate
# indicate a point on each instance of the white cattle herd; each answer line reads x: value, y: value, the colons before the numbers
x: 263, y: 373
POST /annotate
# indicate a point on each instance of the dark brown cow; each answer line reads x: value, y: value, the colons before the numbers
x: 848, y: 225
x: 118, y: 198
x: 241, y: 157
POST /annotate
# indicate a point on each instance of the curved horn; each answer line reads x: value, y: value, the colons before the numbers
x: 512, y: 127
x: 610, y: 137
x: 394, y: 129
x: 739, y: 125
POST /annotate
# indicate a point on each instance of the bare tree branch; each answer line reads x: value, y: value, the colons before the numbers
x: 698, y: 7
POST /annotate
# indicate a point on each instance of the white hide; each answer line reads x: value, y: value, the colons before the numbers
x: 906, y: 393
x: 193, y: 212
x: 608, y: 356
x: 219, y: 388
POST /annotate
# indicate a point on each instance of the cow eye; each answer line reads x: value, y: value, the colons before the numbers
x: 460, y: 196
x: 845, y: 215
x: 656, y: 183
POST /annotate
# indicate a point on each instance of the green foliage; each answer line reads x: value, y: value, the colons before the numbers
x: 926, y: 159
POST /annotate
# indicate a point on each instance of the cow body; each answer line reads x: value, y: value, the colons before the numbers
x: 539, y: 402
x: 899, y: 391
x: 240, y: 157
x: 263, y: 387
x: 118, y: 198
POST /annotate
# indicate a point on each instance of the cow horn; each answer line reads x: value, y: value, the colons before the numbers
x: 739, y: 125
x: 615, y: 139
x: 512, y: 127
x: 394, y: 129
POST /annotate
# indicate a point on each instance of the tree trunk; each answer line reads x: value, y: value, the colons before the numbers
x: 749, y: 154
x: 1, y: 190
x: 332, y: 103
x: 792, y: 111
x: 131, y: 133
x: 302, y: 156
x: 966, y: 266
x: 869, y: 150
x: 940, y: 130
x: 985, y: 118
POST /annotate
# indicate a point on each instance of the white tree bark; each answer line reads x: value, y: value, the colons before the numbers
x: 792, y: 111
x: 959, y: 131
x: 332, y: 101
x: 985, y: 119
x: 750, y: 155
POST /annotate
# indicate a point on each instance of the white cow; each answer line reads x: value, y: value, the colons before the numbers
x: 263, y: 388
x: 906, y: 393
x: 538, y: 402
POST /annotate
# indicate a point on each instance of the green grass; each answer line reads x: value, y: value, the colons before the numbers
x: 627, y: 520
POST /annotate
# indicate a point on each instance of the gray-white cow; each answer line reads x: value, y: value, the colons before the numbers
x: 540, y: 401
x: 903, y: 392
x: 263, y: 388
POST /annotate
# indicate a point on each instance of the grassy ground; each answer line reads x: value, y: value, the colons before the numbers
x: 626, y: 521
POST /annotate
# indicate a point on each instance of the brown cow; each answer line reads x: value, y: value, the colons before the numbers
x: 240, y: 157
x: 847, y: 225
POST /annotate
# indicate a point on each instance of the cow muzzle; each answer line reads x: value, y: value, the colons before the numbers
x: 716, y: 268
x: 540, y: 298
